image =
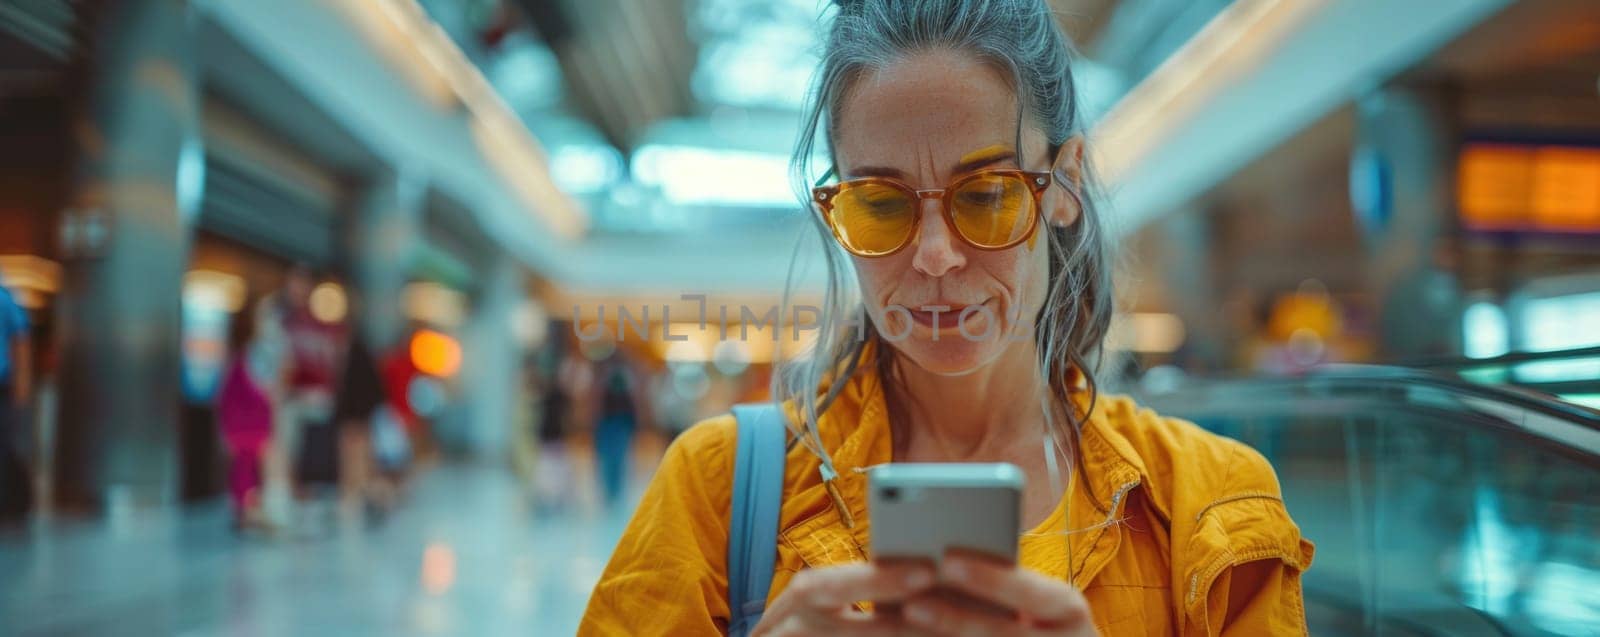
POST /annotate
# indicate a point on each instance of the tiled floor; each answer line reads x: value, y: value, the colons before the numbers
x: 465, y: 555
x: 468, y: 554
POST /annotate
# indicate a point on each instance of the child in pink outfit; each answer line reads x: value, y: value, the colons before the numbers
x: 246, y: 404
x: 244, y: 415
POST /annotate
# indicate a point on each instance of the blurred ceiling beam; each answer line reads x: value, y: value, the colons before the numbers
x: 236, y: 79
x: 466, y: 147
x: 1139, y: 35
x: 626, y: 63
x: 50, y: 27
x: 38, y: 41
x: 1256, y: 74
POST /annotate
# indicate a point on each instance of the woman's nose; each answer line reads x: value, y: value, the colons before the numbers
x: 936, y: 252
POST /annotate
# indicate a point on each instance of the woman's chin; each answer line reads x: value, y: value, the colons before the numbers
x: 948, y: 356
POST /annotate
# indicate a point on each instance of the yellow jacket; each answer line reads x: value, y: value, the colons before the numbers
x: 1204, y: 545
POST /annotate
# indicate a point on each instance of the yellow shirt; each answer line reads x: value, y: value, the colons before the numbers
x: 1190, y: 535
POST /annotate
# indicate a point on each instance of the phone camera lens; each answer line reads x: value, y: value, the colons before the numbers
x: 891, y: 494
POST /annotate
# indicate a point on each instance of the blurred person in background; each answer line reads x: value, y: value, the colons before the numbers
x: 16, y: 379
x: 391, y: 449
x: 614, y: 429
x: 397, y: 427
x: 246, y: 409
x: 953, y: 131
x: 314, y: 350
x: 527, y: 409
x: 539, y: 421
x: 361, y: 394
x: 553, y: 481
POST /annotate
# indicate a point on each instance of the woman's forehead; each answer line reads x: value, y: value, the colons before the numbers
x: 936, y: 107
x: 908, y: 150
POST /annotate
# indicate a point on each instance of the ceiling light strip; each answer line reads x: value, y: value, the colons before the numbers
x: 506, y: 143
x: 1235, y: 41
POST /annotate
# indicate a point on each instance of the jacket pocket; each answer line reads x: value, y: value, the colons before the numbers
x: 822, y: 540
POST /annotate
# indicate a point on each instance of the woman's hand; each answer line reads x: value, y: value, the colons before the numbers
x: 820, y: 601
x: 1043, y: 606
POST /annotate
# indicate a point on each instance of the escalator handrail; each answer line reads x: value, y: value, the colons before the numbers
x: 1400, y: 376
x: 1511, y: 358
x: 1394, y: 378
x: 1515, y: 395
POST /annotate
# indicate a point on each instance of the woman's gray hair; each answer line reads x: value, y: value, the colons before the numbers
x: 1022, y: 40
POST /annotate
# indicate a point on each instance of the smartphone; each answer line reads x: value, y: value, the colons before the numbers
x: 918, y: 511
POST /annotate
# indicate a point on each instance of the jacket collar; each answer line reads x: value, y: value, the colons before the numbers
x: 1109, y: 461
x: 856, y: 430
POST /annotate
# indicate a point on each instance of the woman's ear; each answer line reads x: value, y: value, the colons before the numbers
x: 1067, y: 174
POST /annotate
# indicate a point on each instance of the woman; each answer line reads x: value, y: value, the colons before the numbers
x: 245, y: 410
x: 1138, y: 524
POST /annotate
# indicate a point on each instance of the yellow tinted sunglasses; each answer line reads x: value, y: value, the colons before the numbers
x: 990, y: 209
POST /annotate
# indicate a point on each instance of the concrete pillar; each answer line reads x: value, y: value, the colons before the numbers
x: 125, y: 243
x: 383, y: 236
x: 491, y: 359
x: 1407, y: 136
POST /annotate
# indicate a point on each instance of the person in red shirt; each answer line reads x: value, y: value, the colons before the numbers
x: 315, y: 352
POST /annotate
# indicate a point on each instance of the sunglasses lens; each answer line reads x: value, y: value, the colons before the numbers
x: 873, y: 218
x: 993, y: 210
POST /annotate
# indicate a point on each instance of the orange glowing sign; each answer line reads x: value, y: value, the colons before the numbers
x: 435, y: 353
x: 1540, y: 188
x: 1566, y: 189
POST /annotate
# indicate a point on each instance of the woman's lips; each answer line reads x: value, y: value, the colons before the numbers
x: 947, y: 315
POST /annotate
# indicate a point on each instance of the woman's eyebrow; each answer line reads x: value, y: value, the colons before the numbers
x: 983, y: 157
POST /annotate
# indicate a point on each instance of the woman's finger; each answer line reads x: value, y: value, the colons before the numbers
x: 942, y: 617
x: 836, y: 587
x: 833, y: 623
x: 853, y: 624
x: 933, y: 615
x: 839, y: 586
x: 1040, y: 598
x: 817, y: 601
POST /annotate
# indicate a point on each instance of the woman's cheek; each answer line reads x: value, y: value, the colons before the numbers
x: 876, y: 277
x: 874, y: 290
x: 1026, y: 278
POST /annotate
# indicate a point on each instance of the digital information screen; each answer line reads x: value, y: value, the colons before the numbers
x: 1529, y: 188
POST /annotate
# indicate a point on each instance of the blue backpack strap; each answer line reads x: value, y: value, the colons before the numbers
x: 753, y: 525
